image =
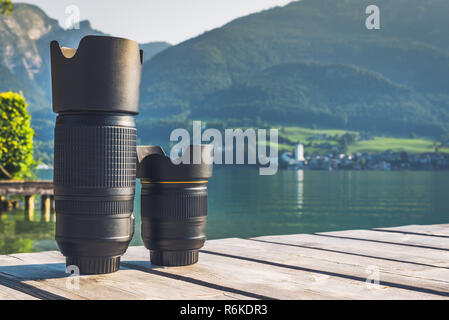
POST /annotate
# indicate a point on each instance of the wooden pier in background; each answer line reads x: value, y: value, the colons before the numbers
x: 410, y: 262
x: 27, y: 189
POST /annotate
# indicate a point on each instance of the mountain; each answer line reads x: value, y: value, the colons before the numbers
x: 399, y: 73
x: 25, y: 38
x: 153, y: 48
x: 331, y: 95
x: 309, y: 63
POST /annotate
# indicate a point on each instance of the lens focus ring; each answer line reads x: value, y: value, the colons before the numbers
x: 95, y: 157
x: 173, y: 203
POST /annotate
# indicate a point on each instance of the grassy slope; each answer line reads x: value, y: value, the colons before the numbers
x: 380, y: 144
x: 376, y: 145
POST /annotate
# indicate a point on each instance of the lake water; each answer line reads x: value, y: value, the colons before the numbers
x: 244, y: 204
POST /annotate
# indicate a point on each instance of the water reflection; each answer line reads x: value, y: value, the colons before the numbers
x: 22, y: 231
x: 300, y: 190
x: 244, y: 204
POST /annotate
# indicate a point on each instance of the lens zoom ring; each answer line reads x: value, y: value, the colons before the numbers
x: 94, y: 207
x: 174, y: 205
x: 95, y: 156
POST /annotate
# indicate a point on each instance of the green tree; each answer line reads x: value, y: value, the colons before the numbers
x: 6, y: 7
x: 346, y: 140
x: 436, y: 147
x: 16, y: 138
x: 444, y: 139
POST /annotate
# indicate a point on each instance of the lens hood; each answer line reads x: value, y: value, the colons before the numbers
x: 154, y: 164
x: 103, y: 74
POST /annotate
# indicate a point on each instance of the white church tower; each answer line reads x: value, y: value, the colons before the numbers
x: 299, y: 152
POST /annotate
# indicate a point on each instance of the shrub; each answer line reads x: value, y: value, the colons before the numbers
x: 16, y: 138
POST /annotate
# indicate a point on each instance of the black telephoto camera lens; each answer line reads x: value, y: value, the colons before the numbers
x: 174, y: 204
x: 96, y: 94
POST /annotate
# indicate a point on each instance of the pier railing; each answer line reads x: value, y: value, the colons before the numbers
x: 27, y: 189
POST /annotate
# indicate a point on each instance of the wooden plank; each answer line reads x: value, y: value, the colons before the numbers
x: 435, y: 259
x: 348, y: 277
x: 224, y: 271
x: 134, y: 285
x: 46, y: 272
x: 252, y: 280
x: 28, y: 271
x: 439, y: 230
x: 24, y: 188
x: 20, y: 287
x: 285, y: 282
x: 7, y: 293
x: 332, y: 265
x: 400, y: 239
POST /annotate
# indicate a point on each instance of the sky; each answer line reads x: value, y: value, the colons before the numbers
x: 172, y: 21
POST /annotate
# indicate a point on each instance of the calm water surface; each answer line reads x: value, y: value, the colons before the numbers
x: 244, y: 204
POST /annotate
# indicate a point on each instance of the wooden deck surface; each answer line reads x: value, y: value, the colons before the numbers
x: 412, y: 262
x: 26, y: 188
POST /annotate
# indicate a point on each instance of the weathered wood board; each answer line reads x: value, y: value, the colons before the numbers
x: 26, y: 188
x: 410, y: 262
